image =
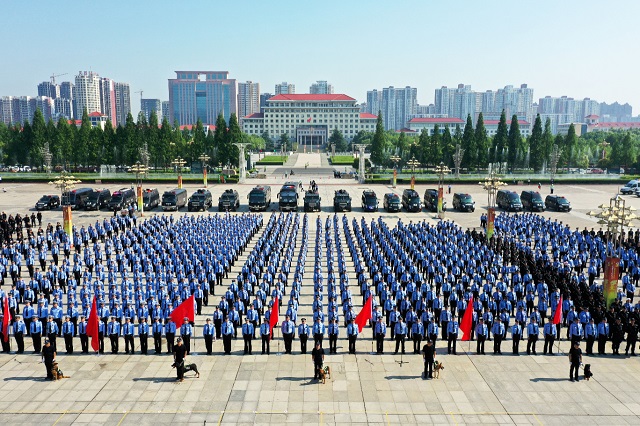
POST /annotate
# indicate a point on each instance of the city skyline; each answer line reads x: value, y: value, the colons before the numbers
x: 535, y: 45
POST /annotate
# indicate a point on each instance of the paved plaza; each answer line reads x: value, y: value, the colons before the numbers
x: 364, y: 388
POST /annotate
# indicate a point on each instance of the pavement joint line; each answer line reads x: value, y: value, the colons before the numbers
x: 221, y: 416
x: 453, y: 417
x: 59, y: 418
x: 122, y: 419
x: 385, y: 413
x: 537, y: 419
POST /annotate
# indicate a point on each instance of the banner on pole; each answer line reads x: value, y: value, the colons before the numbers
x: 611, y: 275
x: 491, y: 217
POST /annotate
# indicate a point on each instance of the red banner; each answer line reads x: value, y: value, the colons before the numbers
x: 491, y: 217
x: 611, y: 275
x: 67, y: 220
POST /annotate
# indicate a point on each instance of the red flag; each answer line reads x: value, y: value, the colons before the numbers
x: 557, y: 318
x: 273, y: 318
x: 364, y: 315
x: 309, y: 120
x: 184, y: 310
x: 467, y: 322
x: 93, y: 325
x: 7, y: 319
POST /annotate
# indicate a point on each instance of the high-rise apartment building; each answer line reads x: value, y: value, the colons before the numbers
x: 374, y: 101
x: 263, y: 100
x: 87, y: 92
x: 67, y: 92
x: 616, y: 112
x: 64, y: 108
x: 201, y: 95
x: 398, y: 106
x: 48, y: 89
x: 165, y: 112
x: 147, y: 106
x: 108, y: 100
x: 248, y: 98
x: 123, y: 102
x: 321, y: 87
x: 18, y: 109
x: 464, y: 102
x: 285, y: 88
x: 443, y: 101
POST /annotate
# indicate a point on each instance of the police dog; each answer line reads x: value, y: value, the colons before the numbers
x: 188, y: 367
x: 437, y: 366
x: 325, y: 373
x: 587, y: 372
x: 56, y: 373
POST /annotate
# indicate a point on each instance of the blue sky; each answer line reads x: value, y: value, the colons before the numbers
x: 576, y: 48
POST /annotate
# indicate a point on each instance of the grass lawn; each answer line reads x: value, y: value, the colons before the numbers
x: 272, y: 160
x: 342, y: 160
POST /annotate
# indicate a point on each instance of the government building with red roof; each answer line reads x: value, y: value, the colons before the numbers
x: 309, y: 119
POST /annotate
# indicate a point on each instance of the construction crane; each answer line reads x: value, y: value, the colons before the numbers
x: 53, y: 77
x: 140, y: 91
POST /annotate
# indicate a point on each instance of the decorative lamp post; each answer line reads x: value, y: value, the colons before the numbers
x: 46, y: 155
x: 441, y: 171
x: 179, y: 162
x: 491, y: 184
x: 395, y: 160
x: 413, y: 163
x: 457, y: 159
x: 361, y: 162
x: 242, y: 162
x: 140, y: 171
x: 554, y: 158
x: 616, y: 215
x: 204, y: 158
x: 66, y: 182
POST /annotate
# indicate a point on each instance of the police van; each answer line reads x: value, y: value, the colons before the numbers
x: 174, y: 199
x: 260, y: 198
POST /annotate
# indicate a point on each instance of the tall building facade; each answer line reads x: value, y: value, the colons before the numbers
x: 165, y: 112
x: 108, y: 100
x: 285, y: 88
x: 18, y: 109
x: 263, y: 100
x: 49, y: 89
x: 201, y: 95
x: 374, y: 101
x: 398, y: 106
x: 67, y: 92
x: 87, y: 92
x: 123, y: 102
x: 321, y: 87
x: 248, y: 98
x: 147, y: 106
x: 616, y: 112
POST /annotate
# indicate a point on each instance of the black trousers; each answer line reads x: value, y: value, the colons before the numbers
x: 101, y: 342
x: 428, y: 368
x: 497, y: 343
x: 417, y: 339
x: 37, y: 342
x: 316, y: 370
x: 516, y: 344
x: 114, y: 343
x: 303, y: 343
x: 266, y: 340
x: 590, y: 340
x: 143, y: 344
x: 128, y: 342
x: 400, y: 342
x: 573, y: 371
x: 352, y: 343
x: 208, y: 343
x: 333, y: 343
x: 157, y: 342
x: 198, y: 306
x: 549, y: 339
x: 187, y: 342
x: 247, y: 343
x: 531, y: 344
x: 318, y: 338
x: 170, y: 342
x: 84, y: 343
x: 433, y: 338
x: 218, y: 326
x: 68, y: 343
x: 380, y: 343
x: 288, y: 340
x: 49, y: 367
x: 480, y: 344
x: 226, y: 342
x: 602, y: 341
x: 20, y: 342
x: 453, y: 340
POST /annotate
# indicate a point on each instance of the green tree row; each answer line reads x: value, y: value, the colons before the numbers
x: 72, y: 145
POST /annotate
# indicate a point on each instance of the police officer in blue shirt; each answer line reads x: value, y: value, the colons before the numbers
x: 265, y: 335
x: 452, y: 335
x: 208, y: 332
x: 498, y: 331
x: 516, y: 335
x: 186, y: 330
x: 128, y: 330
x: 247, y: 336
x: 481, y: 334
x: 532, y: 334
x: 67, y: 332
x: 52, y: 332
x: 36, y: 334
x: 113, y: 330
x: 157, y: 335
x: 380, y: 331
x: 401, y: 334
x: 143, y: 335
x: 170, y: 333
x: 603, y: 335
x: 549, y: 331
x: 417, y: 332
x: 352, y: 334
x: 318, y: 332
x: 334, y: 331
x: 227, y: 334
x: 432, y: 331
x: 288, y: 333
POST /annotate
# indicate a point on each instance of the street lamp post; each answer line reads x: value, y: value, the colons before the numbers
x: 140, y: 171
x: 491, y: 184
x: 413, y: 163
x: 616, y: 216
x: 441, y: 171
x: 179, y: 162
x: 66, y: 182
x: 46, y: 155
x: 204, y: 158
x: 395, y: 160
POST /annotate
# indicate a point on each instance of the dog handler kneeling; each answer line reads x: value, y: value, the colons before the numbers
x: 48, y: 357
